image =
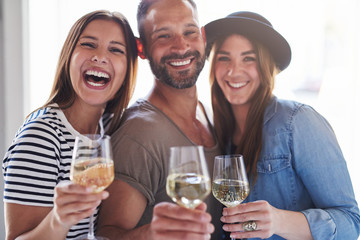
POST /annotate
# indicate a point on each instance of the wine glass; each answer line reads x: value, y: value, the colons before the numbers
x: 188, y: 182
x: 92, y: 166
x: 230, y: 182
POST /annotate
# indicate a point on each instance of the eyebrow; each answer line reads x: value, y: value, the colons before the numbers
x: 242, y: 54
x: 112, y: 42
x: 167, y: 28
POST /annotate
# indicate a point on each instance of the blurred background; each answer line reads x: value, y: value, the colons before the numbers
x: 324, y: 71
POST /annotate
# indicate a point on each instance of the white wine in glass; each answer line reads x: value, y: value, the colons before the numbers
x: 230, y: 182
x: 188, y: 182
x: 92, y: 166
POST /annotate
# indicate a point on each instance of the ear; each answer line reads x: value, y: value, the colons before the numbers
x: 203, y: 34
x: 140, y: 48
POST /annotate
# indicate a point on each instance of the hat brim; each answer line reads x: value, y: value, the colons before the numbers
x: 263, y: 33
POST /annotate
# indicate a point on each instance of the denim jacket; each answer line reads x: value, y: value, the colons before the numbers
x: 302, y: 168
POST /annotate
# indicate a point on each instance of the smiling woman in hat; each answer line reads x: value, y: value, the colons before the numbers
x: 300, y: 185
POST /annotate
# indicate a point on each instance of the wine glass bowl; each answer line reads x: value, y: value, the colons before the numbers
x: 230, y: 183
x: 92, y: 166
x: 188, y: 182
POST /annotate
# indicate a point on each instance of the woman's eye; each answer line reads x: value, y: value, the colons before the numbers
x: 223, y: 58
x: 117, y: 50
x: 249, y: 59
x: 87, y: 44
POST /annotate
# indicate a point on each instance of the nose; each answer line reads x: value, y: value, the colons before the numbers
x: 234, y: 68
x: 99, y: 58
x: 180, y: 44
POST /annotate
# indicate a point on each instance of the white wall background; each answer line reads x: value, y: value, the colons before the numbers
x: 324, y: 71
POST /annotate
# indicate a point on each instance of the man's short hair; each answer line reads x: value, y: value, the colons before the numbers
x: 143, y: 7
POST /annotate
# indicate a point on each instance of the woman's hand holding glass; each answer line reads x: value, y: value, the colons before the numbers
x: 92, y: 167
x: 73, y: 202
x: 268, y: 220
x: 230, y: 182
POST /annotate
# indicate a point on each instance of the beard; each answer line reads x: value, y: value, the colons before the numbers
x: 183, y: 79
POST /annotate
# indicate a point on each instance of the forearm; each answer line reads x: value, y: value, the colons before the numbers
x: 292, y: 225
x: 116, y: 233
x: 48, y: 228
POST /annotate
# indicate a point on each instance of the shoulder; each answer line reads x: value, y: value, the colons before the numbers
x: 289, y: 111
x: 143, y: 119
x: 43, y: 127
x: 290, y: 115
x: 45, y: 120
x: 145, y: 126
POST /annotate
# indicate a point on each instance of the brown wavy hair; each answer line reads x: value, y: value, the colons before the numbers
x: 62, y: 91
x: 224, y: 121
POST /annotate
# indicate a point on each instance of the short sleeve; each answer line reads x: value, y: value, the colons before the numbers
x: 136, y: 166
x: 31, y: 165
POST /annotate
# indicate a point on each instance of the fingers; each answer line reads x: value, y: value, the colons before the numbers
x: 73, y: 202
x: 246, y: 207
x: 261, y: 212
x: 171, y: 221
x: 181, y: 235
x: 70, y: 187
x: 202, y: 207
x: 170, y: 210
x: 247, y: 212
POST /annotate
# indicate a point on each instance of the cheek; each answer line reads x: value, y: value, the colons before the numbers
x: 219, y: 72
x: 75, y: 65
x: 120, y: 72
x: 255, y: 76
x: 221, y: 84
x: 158, y: 51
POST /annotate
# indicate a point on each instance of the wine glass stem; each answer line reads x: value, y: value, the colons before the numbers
x: 91, y: 228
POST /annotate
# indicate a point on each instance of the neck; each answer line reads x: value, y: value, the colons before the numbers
x: 84, y: 119
x: 182, y: 102
x: 240, y: 113
x: 181, y: 106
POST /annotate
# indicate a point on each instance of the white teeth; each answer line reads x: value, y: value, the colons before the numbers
x: 237, y: 85
x: 180, y: 63
x: 96, y: 84
x: 97, y: 74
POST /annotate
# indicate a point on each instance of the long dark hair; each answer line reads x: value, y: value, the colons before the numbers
x: 224, y: 121
x: 62, y: 91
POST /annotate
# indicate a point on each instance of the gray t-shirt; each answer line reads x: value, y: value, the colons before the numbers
x: 141, y: 152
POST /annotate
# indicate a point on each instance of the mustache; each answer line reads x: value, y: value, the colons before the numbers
x: 177, y: 56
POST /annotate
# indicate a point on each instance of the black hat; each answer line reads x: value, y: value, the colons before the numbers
x: 254, y: 26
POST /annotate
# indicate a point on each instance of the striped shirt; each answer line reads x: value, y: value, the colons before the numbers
x: 39, y: 158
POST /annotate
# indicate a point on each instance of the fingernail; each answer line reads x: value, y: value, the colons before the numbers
x: 226, y: 228
x: 210, y: 228
x: 222, y: 219
x: 105, y: 194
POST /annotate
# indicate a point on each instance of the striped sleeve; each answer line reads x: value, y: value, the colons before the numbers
x: 32, y: 164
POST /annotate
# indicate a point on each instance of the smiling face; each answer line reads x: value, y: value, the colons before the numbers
x: 174, y: 44
x: 98, y: 64
x: 236, y: 70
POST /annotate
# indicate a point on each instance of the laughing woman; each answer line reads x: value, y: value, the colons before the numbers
x: 93, y: 84
x: 300, y: 185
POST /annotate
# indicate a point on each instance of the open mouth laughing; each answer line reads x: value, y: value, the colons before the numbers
x: 96, y: 78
